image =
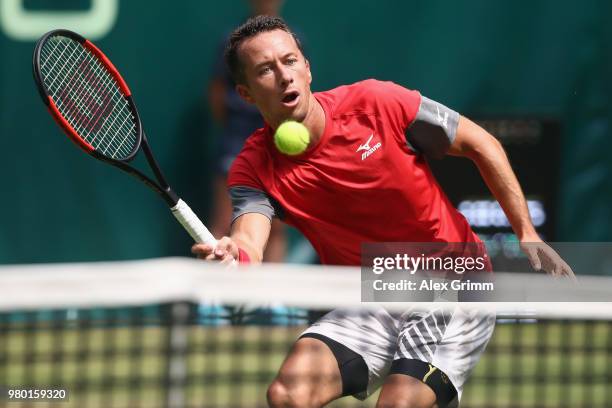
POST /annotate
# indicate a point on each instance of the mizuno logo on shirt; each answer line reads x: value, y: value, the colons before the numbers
x: 368, y: 150
x: 366, y: 145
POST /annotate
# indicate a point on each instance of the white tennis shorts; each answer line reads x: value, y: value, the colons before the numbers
x: 451, y: 341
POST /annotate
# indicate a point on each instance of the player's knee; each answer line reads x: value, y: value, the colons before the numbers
x: 278, y: 394
x: 404, y: 391
x: 284, y: 395
x: 404, y: 403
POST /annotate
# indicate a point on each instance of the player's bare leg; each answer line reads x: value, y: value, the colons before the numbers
x: 403, y: 391
x: 309, y: 377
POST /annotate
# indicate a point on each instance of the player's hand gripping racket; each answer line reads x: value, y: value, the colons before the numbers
x: 88, y: 98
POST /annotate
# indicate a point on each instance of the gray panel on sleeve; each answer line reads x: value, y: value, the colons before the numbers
x: 433, y: 130
x: 250, y: 200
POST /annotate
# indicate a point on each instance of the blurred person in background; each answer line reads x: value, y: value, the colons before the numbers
x: 236, y: 120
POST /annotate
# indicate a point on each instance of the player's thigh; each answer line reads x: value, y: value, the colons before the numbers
x: 364, y: 343
x: 309, y: 376
x: 402, y: 391
x: 440, y: 349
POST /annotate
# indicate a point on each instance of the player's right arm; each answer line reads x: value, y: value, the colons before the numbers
x: 249, y: 235
x: 252, y: 215
x: 252, y: 208
x: 251, y: 232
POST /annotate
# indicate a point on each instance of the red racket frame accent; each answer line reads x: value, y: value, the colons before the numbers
x: 161, y: 187
x: 113, y: 71
x: 74, y: 136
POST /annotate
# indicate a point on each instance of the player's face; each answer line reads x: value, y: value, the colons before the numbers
x: 277, y: 77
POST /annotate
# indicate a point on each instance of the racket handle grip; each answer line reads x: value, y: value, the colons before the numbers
x: 192, y: 224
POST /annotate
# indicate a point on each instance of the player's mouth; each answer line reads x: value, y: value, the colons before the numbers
x: 290, y: 99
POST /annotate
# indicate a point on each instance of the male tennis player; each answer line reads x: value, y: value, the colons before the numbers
x: 363, y: 178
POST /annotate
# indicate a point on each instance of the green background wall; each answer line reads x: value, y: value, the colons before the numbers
x: 543, y: 58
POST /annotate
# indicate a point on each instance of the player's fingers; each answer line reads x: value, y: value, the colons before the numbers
x: 222, y: 246
x: 559, y: 267
x: 210, y: 257
x: 532, y: 255
x: 201, y: 249
x: 220, y: 253
x: 226, y: 243
x: 567, y: 271
x: 217, y: 254
x: 227, y: 246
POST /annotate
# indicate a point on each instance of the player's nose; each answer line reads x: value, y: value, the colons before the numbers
x: 285, y: 75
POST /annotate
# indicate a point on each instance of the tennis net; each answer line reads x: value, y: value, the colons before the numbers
x: 180, y: 333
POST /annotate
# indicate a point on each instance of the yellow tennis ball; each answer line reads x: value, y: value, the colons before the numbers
x: 291, y: 138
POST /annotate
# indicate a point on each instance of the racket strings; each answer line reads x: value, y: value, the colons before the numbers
x: 81, y: 101
x: 88, y: 97
x: 84, y: 100
x: 89, y: 122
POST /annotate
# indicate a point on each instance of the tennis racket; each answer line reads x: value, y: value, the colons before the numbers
x: 91, y: 102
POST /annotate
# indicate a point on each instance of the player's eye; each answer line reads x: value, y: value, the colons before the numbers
x: 292, y: 61
x: 264, y: 70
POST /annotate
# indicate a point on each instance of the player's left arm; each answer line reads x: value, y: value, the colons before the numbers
x: 475, y: 143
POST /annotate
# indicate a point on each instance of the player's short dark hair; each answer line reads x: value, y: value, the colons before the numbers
x: 252, y: 27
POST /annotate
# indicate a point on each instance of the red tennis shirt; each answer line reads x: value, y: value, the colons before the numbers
x: 361, y: 182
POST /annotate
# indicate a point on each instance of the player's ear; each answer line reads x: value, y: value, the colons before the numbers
x: 244, y: 93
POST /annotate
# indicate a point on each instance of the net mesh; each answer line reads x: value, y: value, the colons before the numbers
x: 88, y: 97
x: 161, y: 348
